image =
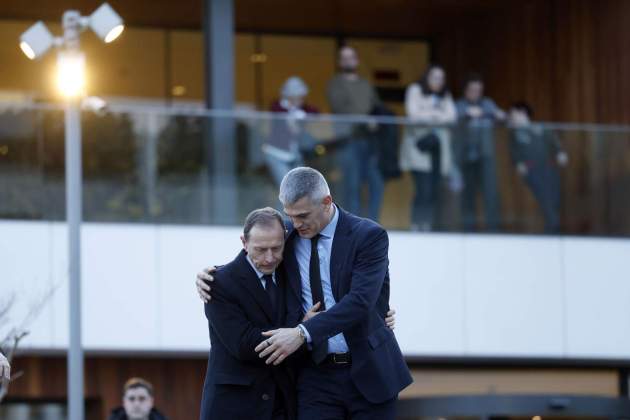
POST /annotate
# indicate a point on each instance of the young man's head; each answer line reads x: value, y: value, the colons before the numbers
x: 306, y: 198
x: 520, y: 114
x: 473, y: 88
x: 137, y: 399
x: 263, y: 239
x: 348, y: 60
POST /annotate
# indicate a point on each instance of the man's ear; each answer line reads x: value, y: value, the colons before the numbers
x: 244, y: 241
x: 327, y: 201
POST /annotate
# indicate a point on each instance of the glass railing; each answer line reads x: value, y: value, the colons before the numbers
x: 159, y: 165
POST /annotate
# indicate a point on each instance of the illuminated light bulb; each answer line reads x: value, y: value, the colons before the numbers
x: 114, y: 33
x: 27, y: 50
x: 71, y: 74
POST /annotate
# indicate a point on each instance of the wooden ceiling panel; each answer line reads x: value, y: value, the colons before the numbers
x: 352, y: 17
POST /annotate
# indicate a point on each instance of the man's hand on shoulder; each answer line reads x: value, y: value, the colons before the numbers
x: 281, y: 344
x: 203, y: 278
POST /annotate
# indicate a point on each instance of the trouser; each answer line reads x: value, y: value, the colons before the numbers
x: 279, y: 410
x: 480, y: 174
x: 544, y: 183
x: 327, y: 392
x: 359, y: 165
x: 426, y: 198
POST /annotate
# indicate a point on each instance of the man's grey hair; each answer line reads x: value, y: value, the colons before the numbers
x: 266, y: 217
x: 303, y: 182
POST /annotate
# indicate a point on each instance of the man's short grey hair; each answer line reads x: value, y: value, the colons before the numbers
x: 266, y: 217
x: 303, y: 182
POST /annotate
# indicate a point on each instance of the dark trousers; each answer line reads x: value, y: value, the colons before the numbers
x: 279, y: 412
x: 544, y: 183
x: 327, y: 392
x: 480, y: 174
x: 426, y: 198
x: 359, y: 164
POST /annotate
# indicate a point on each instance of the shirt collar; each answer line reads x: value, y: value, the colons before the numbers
x: 259, y: 273
x: 329, y: 231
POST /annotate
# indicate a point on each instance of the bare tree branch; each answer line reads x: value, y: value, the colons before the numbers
x: 5, y: 308
x: 10, y: 343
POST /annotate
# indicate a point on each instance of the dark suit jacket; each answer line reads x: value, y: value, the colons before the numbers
x: 238, y: 384
x: 360, y: 282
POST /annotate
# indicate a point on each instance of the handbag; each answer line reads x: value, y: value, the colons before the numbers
x: 429, y: 143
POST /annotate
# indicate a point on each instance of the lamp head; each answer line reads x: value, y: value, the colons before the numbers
x: 36, y: 41
x: 106, y: 23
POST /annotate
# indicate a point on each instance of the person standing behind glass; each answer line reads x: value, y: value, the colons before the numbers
x: 537, y: 155
x: 426, y: 150
x: 288, y: 139
x: 349, y: 93
x: 474, y: 153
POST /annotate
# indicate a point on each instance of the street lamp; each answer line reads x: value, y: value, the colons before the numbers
x: 35, y: 42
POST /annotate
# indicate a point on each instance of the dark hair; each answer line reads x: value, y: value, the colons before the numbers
x: 523, y: 106
x: 424, y: 81
x: 263, y: 217
x: 472, y: 78
x: 133, y: 383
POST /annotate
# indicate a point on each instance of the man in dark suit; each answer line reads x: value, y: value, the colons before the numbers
x: 355, y: 368
x: 248, y: 299
x: 357, y: 372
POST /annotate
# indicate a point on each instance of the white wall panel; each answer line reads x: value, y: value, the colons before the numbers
x: 427, y: 292
x: 598, y: 297
x: 513, y: 296
x: 25, y: 259
x: 183, y: 252
x: 456, y: 295
x: 59, y: 274
x: 120, y: 286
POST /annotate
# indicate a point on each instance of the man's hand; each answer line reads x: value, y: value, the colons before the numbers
x: 474, y: 111
x: 390, y: 319
x: 203, y: 288
x: 312, y: 312
x: 500, y: 115
x: 563, y: 159
x: 5, y: 371
x: 281, y: 344
x: 522, y: 169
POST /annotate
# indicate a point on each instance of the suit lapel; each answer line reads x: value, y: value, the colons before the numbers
x: 339, y: 251
x: 250, y: 281
x: 291, y: 265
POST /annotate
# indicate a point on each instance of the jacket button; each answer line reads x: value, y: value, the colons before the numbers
x: 265, y: 397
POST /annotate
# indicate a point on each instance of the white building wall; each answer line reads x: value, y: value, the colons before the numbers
x: 456, y: 295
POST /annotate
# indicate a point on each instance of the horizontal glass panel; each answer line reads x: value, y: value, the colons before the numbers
x: 189, y: 166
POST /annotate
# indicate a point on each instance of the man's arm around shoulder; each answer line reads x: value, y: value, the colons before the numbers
x: 229, y: 321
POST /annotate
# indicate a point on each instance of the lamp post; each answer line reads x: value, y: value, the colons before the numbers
x: 35, y: 42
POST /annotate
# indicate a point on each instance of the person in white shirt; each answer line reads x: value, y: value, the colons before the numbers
x: 426, y: 147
